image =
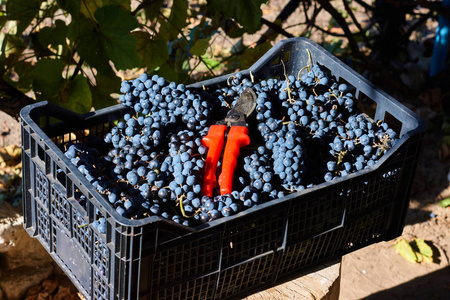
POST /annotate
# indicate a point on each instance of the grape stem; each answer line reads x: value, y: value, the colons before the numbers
x: 340, y: 157
x: 383, y: 145
x: 288, y: 89
x: 308, y: 66
x: 180, y: 200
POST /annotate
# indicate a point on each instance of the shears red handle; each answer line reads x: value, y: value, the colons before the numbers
x: 236, y: 139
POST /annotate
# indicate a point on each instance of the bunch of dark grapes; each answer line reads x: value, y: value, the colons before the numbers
x: 260, y: 170
x: 165, y: 103
x: 154, y: 161
x: 305, y: 130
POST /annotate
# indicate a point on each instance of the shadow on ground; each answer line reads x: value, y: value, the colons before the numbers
x: 417, y: 215
x: 435, y: 285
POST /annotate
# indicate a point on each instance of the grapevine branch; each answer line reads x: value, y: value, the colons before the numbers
x: 355, y: 21
x: 434, y: 6
x: 327, y: 31
x: 77, y: 68
x: 290, y: 7
x: 187, y: 40
x: 343, y: 24
x: 276, y: 28
x: 312, y: 20
x: 12, y: 100
x: 419, y: 22
x: 368, y: 63
x: 364, y: 4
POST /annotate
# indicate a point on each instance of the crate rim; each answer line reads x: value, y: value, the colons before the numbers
x: 141, y: 222
x: 25, y: 114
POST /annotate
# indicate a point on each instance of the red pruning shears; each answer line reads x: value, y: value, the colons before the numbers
x: 237, y: 138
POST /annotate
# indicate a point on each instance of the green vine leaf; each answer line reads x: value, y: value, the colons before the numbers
x: 47, y: 78
x: 200, y: 46
x: 403, y: 248
x: 3, y: 19
x: 232, y: 29
x: 24, y: 70
x: 53, y: 36
x: 107, y: 40
x: 89, y: 7
x: 23, y: 11
x: 114, y: 18
x: 445, y: 202
x: 213, y: 63
x: 76, y: 95
x: 84, y: 32
x: 166, y: 30
x: 11, y: 49
x: 178, y: 13
x: 153, y: 9
x: 251, y: 55
x: 71, y: 6
x: 171, y: 27
x: 334, y: 46
x: 115, y: 25
x: 153, y: 52
x: 124, y: 3
x: 169, y: 72
x: 247, y: 13
x: 415, y: 251
x: 423, y: 248
x: 101, y: 92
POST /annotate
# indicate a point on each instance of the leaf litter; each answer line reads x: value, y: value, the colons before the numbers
x: 10, y: 174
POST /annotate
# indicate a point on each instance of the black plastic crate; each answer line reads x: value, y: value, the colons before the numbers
x: 154, y: 258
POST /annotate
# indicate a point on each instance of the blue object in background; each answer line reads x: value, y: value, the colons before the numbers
x: 438, y: 60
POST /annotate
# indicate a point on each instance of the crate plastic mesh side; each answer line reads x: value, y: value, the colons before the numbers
x: 316, y: 214
x: 203, y: 287
x: 404, y: 186
x: 72, y: 259
x: 101, y: 257
x: 308, y: 252
x: 120, y: 278
x: 27, y: 199
x: 75, y: 192
x: 81, y: 136
x: 187, y: 258
x: 365, y: 230
x: 256, y: 236
x: 41, y: 186
x: 375, y: 192
x: 60, y: 207
x: 55, y: 228
x: 81, y: 232
x: 259, y: 271
x: 100, y: 290
x: 414, y: 146
x: 125, y: 263
x: 43, y: 225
